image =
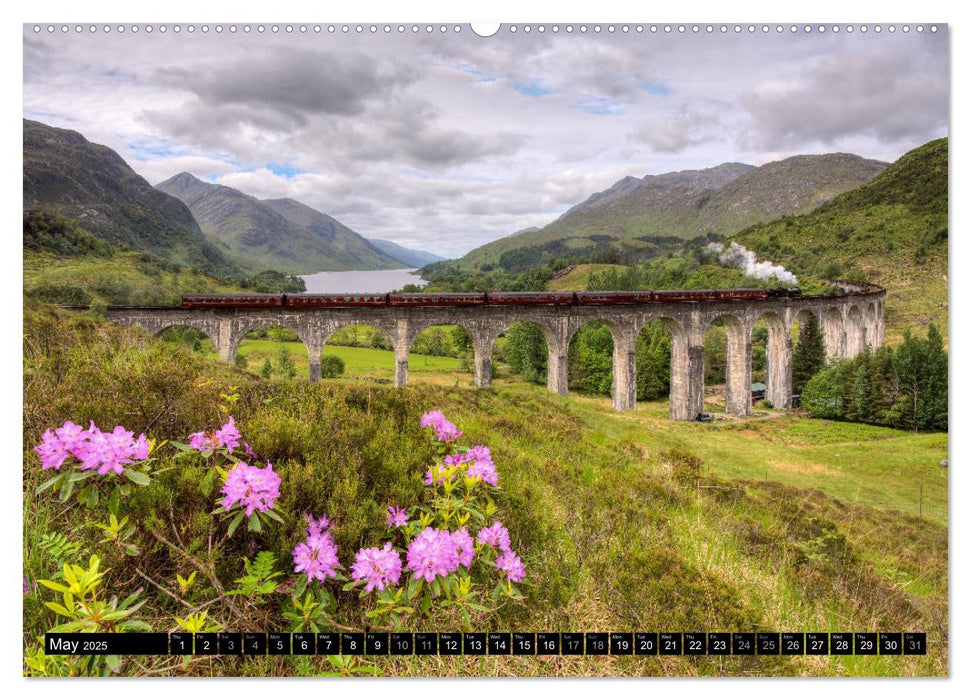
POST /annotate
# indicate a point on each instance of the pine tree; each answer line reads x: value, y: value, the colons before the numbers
x: 808, y: 357
x: 862, y: 389
x: 267, y: 369
x: 934, y: 408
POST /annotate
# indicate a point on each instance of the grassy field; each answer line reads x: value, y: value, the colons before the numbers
x: 358, y: 362
x: 624, y: 521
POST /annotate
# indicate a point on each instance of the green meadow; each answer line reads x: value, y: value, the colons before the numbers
x: 775, y: 522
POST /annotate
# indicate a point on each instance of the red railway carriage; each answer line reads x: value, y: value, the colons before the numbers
x: 615, y: 297
x: 437, y: 299
x: 695, y: 295
x: 218, y: 300
x: 336, y: 300
x: 742, y: 294
x: 529, y: 298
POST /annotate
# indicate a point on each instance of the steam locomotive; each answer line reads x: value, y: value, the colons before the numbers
x: 191, y: 301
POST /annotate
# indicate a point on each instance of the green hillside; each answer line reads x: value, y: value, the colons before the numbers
x: 634, y: 215
x: 892, y: 231
x: 65, y: 264
x: 88, y: 182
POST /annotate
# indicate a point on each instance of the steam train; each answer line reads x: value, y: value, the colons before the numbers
x: 192, y: 301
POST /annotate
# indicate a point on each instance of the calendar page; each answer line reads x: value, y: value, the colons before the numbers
x: 525, y: 349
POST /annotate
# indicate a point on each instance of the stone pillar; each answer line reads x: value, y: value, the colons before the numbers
x: 224, y: 341
x: 687, y: 379
x: 557, y: 375
x: 778, y: 363
x: 880, y: 326
x: 834, y: 336
x: 400, y: 364
x: 738, y: 375
x: 624, y: 388
x: 402, y: 345
x: 482, y: 347
x: 856, y: 339
x: 314, y: 352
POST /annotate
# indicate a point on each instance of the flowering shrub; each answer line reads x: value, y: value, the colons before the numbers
x: 85, y: 453
x: 444, y: 561
x: 248, y: 491
x: 442, y: 552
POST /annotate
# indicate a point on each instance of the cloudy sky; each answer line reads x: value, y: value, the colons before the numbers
x: 447, y: 141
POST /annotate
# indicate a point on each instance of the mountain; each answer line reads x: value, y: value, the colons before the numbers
x: 686, y: 204
x: 346, y: 246
x: 91, y: 184
x: 893, y: 231
x: 280, y: 234
x: 409, y: 256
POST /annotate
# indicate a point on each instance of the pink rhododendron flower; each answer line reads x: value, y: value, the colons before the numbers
x: 228, y: 436
x: 317, y: 526
x: 432, y: 553
x: 202, y: 442
x: 317, y: 555
x: 444, y: 430
x: 495, y: 535
x: 379, y: 568
x: 252, y: 487
x: 513, y: 567
x: 51, y: 451
x: 464, y: 546
x: 106, y: 452
x: 482, y: 465
x: 71, y: 435
x: 396, y: 517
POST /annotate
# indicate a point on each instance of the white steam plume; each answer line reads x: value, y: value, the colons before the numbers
x: 740, y: 257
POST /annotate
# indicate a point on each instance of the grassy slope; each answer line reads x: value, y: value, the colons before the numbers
x: 578, y: 278
x: 878, y: 229
x: 625, y: 521
x: 146, y: 284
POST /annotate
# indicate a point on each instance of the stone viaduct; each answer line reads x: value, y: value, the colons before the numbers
x: 849, y: 322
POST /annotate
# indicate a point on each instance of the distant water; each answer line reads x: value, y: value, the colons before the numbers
x: 361, y: 281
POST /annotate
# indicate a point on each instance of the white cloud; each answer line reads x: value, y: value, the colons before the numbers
x: 426, y: 139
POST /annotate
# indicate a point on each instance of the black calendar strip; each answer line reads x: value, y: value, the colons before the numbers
x: 492, y: 643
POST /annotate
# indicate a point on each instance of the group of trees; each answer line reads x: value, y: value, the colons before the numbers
x: 590, y: 357
x: 903, y: 386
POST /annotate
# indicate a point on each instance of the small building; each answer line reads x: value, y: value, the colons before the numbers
x: 758, y: 391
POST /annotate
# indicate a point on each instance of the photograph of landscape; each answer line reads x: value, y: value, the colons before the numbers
x: 397, y: 350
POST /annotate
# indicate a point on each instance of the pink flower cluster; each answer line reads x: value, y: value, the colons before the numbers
x: 227, y: 436
x: 497, y: 536
x: 252, y: 487
x: 379, y: 568
x: 444, y: 430
x: 316, y: 556
x: 482, y: 465
x: 477, y: 463
x: 106, y: 452
x: 437, y: 552
x: 396, y: 517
